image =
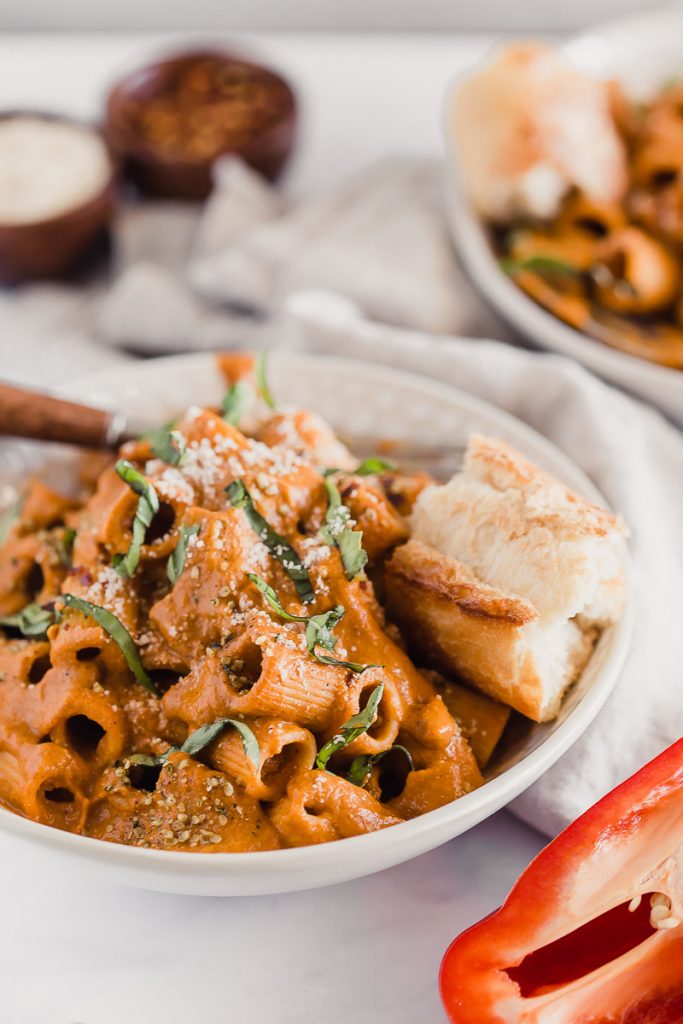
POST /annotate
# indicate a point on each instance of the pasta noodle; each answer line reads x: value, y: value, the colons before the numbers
x: 285, y: 749
x: 193, y: 655
x: 614, y: 270
x: 320, y: 807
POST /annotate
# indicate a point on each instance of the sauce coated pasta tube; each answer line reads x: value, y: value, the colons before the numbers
x: 285, y: 749
x: 44, y: 782
x: 319, y: 807
x: 179, y: 646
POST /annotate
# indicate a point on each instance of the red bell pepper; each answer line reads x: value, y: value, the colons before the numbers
x: 592, y: 933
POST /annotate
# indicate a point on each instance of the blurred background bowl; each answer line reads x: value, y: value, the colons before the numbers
x: 642, y: 52
x: 168, y: 121
x: 53, y: 246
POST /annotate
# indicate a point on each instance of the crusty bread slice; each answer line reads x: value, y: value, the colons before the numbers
x: 529, y: 126
x: 460, y: 625
x: 508, y: 578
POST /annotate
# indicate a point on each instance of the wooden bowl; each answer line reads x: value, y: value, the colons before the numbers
x: 52, y: 247
x: 148, y: 103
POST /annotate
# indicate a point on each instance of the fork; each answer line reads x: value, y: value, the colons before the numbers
x: 32, y: 414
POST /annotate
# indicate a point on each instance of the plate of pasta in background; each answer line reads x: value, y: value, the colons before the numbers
x: 237, y: 658
x: 565, y: 196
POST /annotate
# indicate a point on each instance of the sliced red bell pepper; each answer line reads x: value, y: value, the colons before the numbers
x: 572, y: 944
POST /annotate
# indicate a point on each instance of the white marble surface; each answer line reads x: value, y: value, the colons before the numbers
x: 74, y: 950
x: 80, y: 951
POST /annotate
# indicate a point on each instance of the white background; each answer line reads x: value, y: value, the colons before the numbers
x: 379, y: 15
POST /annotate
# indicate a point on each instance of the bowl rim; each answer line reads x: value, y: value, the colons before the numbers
x: 495, y: 792
x: 127, y: 143
x: 538, y: 326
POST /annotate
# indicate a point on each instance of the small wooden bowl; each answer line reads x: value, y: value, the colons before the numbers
x: 163, y: 170
x: 54, y: 246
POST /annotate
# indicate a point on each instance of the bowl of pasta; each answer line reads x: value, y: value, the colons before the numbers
x: 237, y: 659
x: 563, y: 196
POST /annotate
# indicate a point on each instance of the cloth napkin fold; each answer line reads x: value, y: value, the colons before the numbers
x: 193, y: 281
x: 633, y: 456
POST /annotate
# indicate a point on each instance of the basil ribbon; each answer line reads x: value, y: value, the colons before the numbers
x: 368, y: 467
x: 147, y: 508
x: 318, y: 627
x: 360, y: 768
x: 261, y: 381
x: 294, y: 567
x: 338, y: 532
x: 200, y: 739
x: 32, y: 621
x: 351, y: 729
x: 169, y: 446
x: 119, y: 634
x: 236, y: 402
x: 176, y: 561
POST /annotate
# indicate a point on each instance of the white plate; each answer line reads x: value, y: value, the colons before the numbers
x: 642, y: 52
x: 375, y: 400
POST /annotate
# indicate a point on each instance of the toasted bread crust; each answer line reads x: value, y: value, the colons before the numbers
x: 462, y: 626
x: 440, y: 577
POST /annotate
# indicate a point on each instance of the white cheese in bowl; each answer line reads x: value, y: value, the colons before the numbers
x: 47, y: 168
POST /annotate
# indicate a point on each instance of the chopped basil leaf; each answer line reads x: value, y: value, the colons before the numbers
x: 540, y: 264
x: 169, y: 446
x: 148, y: 506
x: 261, y: 381
x: 66, y: 546
x: 7, y: 518
x: 176, y: 561
x: 368, y: 467
x: 240, y: 498
x: 337, y: 531
x: 354, y: 666
x: 200, y: 739
x: 351, y: 729
x: 32, y: 621
x: 337, y: 514
x: 206, y: 734
x: 236, y: 402
x: 360, y: 768
x: 375, y: 464
x: 354, y: 558
x: 272, y: 599
x: 119, y: 634
x: 318, y: 627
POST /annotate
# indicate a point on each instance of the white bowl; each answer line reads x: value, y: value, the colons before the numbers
x: 642, y: 52
x: 382, y: 402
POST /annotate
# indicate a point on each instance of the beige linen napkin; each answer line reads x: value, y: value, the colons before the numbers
x: 194, y: 280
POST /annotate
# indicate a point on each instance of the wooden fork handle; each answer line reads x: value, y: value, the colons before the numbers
x: 26, y: 413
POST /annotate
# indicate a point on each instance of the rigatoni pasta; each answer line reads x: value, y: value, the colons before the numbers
x: 582, y: 189
x: 194, y: 656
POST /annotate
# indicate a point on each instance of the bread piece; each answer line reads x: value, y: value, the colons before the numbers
x: 528, y: 127
x: 508, y: 578
x: 521, y: 530
x: 459, y: 624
